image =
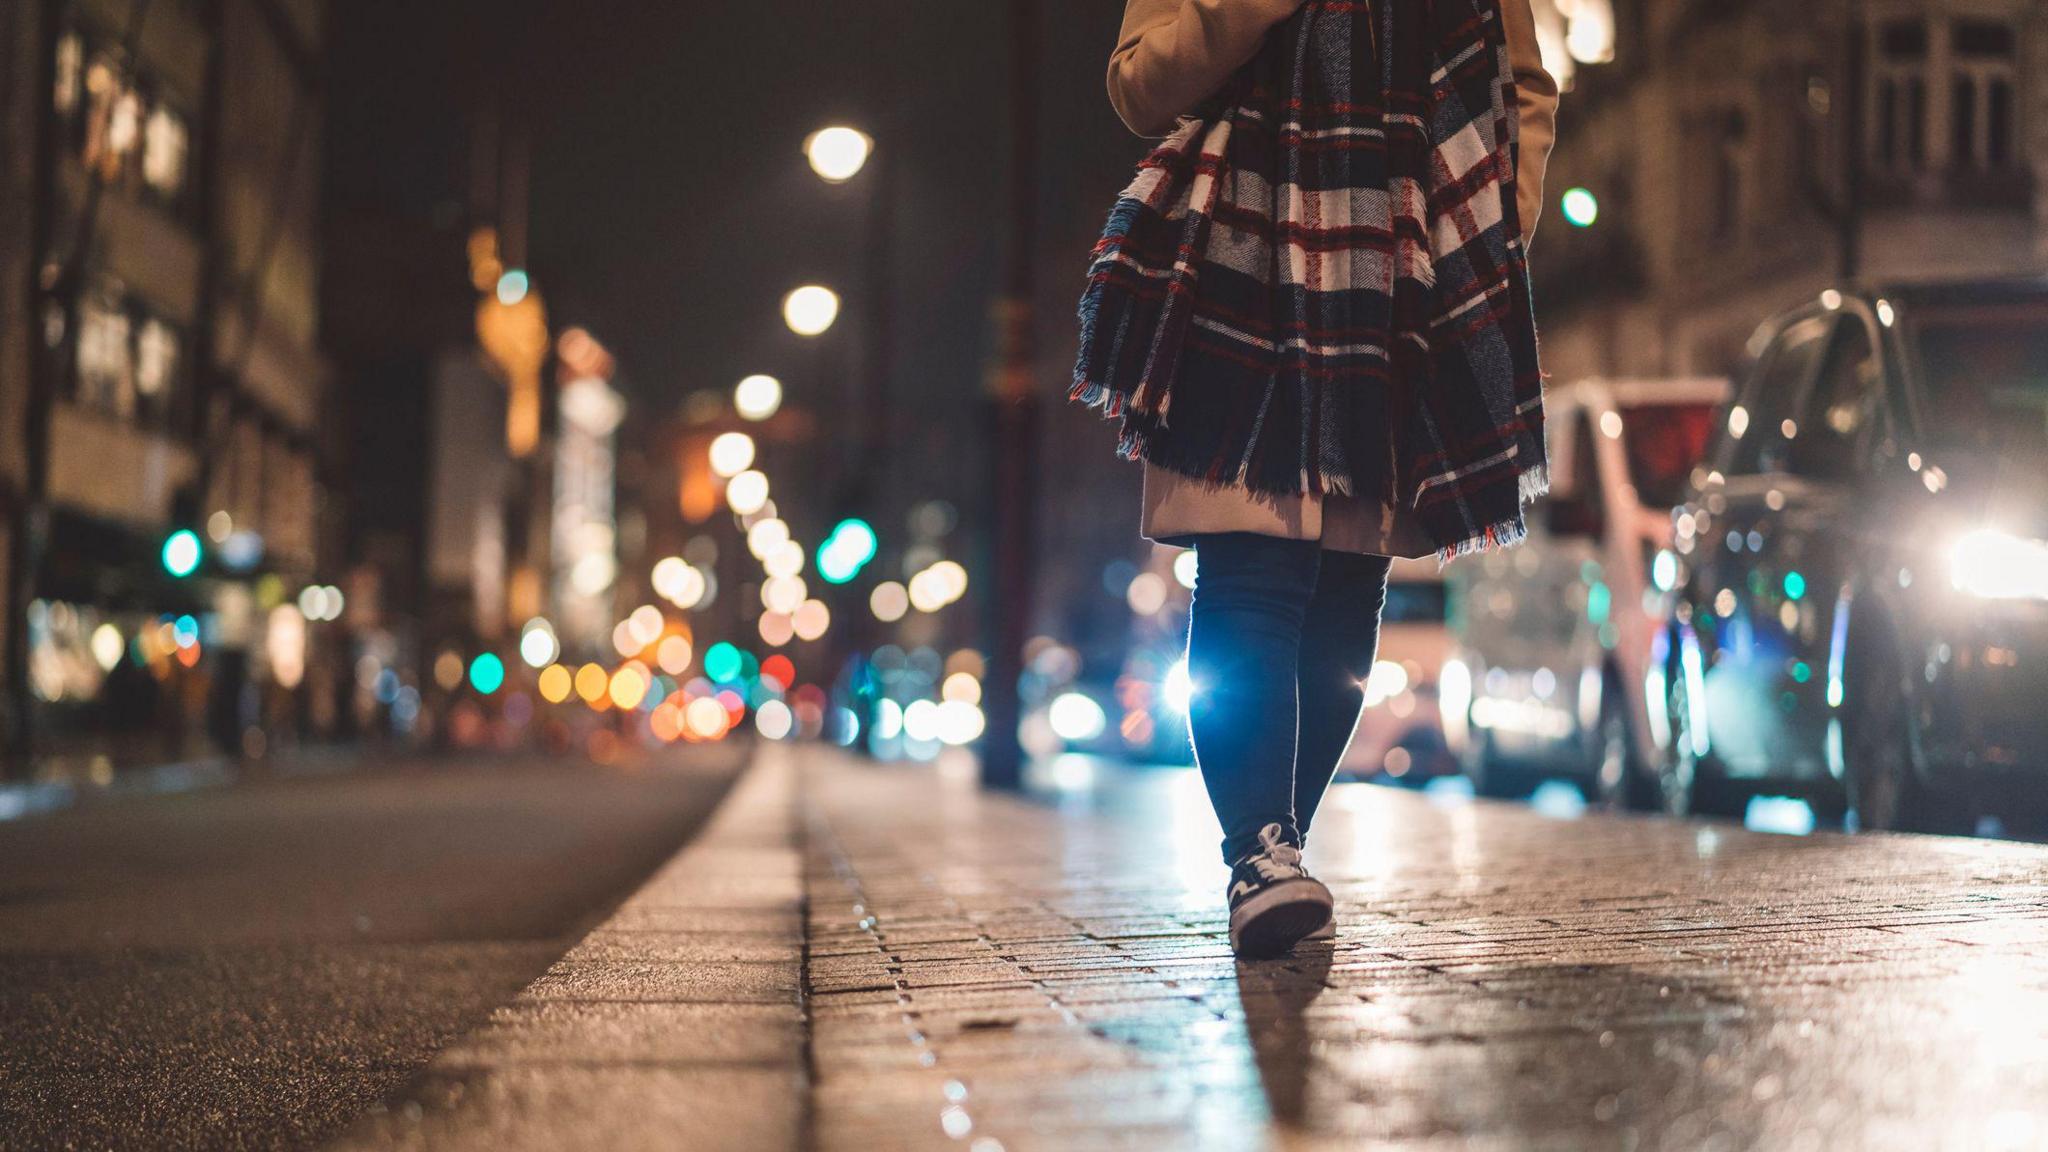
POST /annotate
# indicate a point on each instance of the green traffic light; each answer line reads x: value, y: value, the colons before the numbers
x: 182, y: 553
x: 1581, y: 208
x: 486, y: 673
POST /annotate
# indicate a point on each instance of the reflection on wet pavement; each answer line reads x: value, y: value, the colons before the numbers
x: 1021, y: 975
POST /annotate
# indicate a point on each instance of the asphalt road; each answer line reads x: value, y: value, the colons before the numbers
x: 253, y: 966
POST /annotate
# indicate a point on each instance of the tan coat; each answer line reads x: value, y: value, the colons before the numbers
x: 1170, y: 55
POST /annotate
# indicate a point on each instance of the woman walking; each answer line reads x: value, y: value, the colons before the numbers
x: 1311, y: 313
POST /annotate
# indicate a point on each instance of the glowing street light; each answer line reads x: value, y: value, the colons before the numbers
x: 747, y: 493
x: 810, y: 310
x: 732, y: 453
x: 757, y: 397
x: 838, y: 153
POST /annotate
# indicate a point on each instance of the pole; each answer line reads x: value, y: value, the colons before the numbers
x: 29, y: 514
x: 1850, y: 221
x: 1014, y: 489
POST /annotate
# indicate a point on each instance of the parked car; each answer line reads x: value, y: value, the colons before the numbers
x: 1555, y: 637
x: 1863, y: 567
x: 1400, y: 734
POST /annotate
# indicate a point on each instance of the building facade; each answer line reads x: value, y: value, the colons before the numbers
x: 1743, y: 156
x: 161, y: 373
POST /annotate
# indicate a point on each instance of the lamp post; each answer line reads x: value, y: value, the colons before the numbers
x: 838, y: 154
x: 1014, y: 463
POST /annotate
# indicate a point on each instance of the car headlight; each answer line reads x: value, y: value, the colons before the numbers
x: 1998, y: 565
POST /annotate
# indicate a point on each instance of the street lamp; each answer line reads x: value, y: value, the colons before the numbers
x: 757, y: 397
x: 838, y: 153
x: 810, y: 310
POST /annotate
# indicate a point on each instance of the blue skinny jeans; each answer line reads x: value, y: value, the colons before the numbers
x: 1281, y: 637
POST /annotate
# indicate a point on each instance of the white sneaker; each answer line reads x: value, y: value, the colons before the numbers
x: 1274, y: 902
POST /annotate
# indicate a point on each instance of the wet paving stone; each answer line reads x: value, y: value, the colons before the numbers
x: 990, y: 973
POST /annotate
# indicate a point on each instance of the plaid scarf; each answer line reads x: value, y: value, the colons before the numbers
x: 1317, y: 284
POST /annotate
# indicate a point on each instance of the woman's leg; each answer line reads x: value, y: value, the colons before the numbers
x: 1244, y: 645
x: 1339, y: 638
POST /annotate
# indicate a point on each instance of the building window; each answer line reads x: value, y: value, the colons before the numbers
x: 1981, y: 95
x: 117, y: 123
x: 1943, y: 96
x: 1901, y: 75
x: 128, y: 358
x: 1711, y: 206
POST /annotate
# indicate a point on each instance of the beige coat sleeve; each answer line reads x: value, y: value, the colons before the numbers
x: 1171, y: 54
x: 1536, y: 109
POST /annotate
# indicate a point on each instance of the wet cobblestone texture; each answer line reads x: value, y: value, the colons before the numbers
x: 989, y: 973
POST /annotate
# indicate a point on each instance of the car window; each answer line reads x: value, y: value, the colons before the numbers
x: 1983, y: 388
x: 1755, y: 423
x: 1825, y: 440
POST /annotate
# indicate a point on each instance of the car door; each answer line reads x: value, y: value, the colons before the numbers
x: 1775, y: 557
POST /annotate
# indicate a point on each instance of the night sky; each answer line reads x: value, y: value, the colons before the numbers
x: 672, y: 206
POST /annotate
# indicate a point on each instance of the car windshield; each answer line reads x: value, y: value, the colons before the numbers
x: 1664, y: 442
x: 1984, y: 380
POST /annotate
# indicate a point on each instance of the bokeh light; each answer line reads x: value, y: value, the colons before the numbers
x: 182, y: 553
x: 731, y: 454
x: 722, y: 662
x: 961, y: 686
x: 837, y: 154
x: 774, y: 720
x: 889, y: 601
x: 537, y: 643
x: 487, y: 673
x: 811, y: 619
x: 1077, y: 717
x: 592, y: 683
x: 1147, y: 594
x: 673, y: 654
x: 556, y: 683
x: 810, y: 310
x: 1580, y: 207
x: 747, y: 493
x: 765, y: 536
x: 628, y: 686
x: 776, y: 629
x: 706, y: 719
x: 757, y: 397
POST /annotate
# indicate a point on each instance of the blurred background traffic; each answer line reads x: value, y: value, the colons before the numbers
x: 529, y: 376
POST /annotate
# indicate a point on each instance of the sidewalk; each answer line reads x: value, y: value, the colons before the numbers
x: 986, y: 973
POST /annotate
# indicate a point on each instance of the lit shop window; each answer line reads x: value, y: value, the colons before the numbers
x: 163, y: 152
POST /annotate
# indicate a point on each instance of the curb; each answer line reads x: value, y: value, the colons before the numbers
x: 678, y: 1022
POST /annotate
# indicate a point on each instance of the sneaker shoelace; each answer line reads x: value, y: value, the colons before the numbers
x: 1276, y: 860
